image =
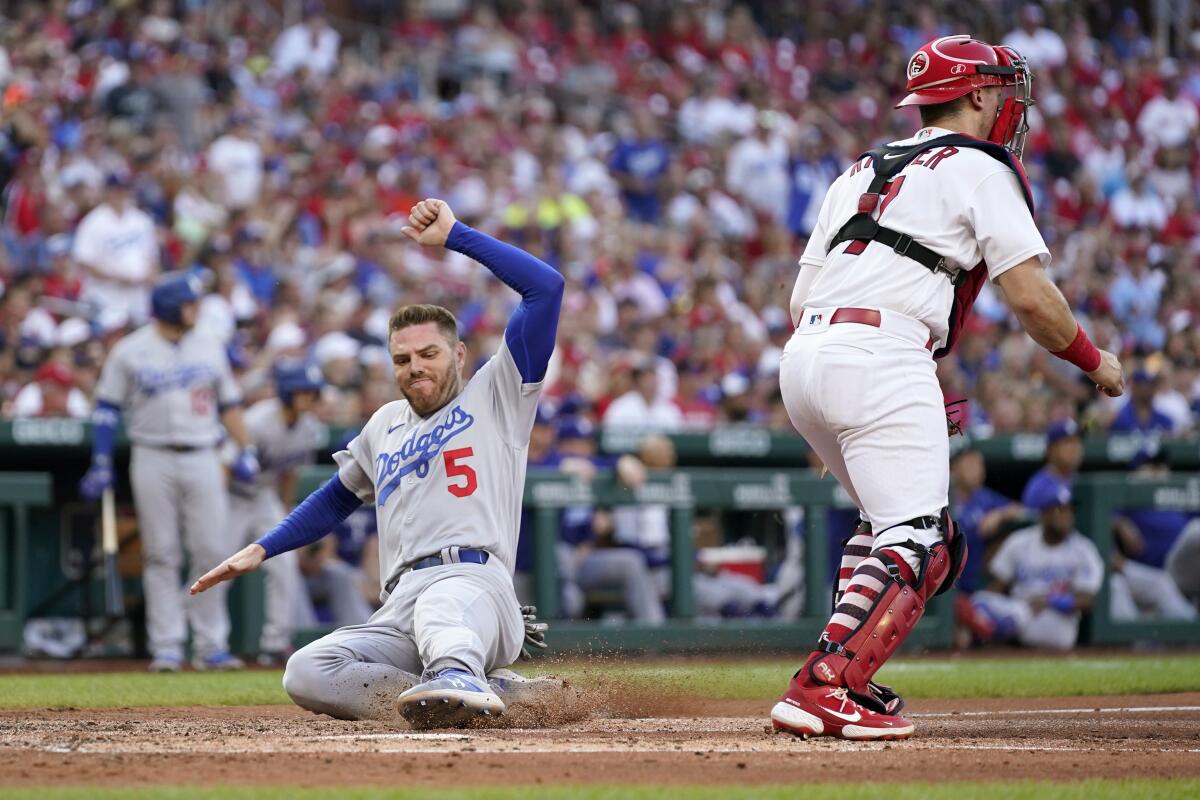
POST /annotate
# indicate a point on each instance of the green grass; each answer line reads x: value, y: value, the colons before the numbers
x: 1040, y: 790
x: 122, y: 689
x: 726, y: 680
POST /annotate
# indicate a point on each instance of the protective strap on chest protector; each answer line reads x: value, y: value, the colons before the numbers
x: 887, y: 162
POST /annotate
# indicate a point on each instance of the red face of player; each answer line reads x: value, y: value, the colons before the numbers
x: 427, y: 366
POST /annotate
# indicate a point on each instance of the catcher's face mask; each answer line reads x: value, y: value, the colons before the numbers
x: 1012, y: 125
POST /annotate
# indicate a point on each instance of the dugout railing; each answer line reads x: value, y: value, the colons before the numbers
x: 39, y: 562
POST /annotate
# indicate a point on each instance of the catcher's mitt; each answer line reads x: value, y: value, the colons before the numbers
x: 953, y: 424
x: 535, y: 632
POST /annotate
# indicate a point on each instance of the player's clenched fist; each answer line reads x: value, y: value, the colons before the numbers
x: 429, y: 223
x: 245, y: 560
x: 1109, y: 377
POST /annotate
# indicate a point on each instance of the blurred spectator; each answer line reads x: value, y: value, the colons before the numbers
x: 52, y: 393
x: 311, y: 45
x: 1138, y: 414
x: 117, y: 246
x: 640, y: 162
x: 1136, y: 297
x: 358, y: 547
x: 333, y: 586
x: 236, y: 161
x: 641, y: 409
x: 1043, y: 577
x: 980, y: 513
x: 1138, y: 205
x: 1144, y: 537
x: 1064, y: 456
x: 1043, y: 47
x: 757, y: 168
x: 1169, y: 120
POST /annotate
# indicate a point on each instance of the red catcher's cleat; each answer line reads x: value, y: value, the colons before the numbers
x: 830, y: 711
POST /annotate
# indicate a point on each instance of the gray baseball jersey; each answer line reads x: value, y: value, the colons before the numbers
x: 280, y: 448
x: 455, y: 478
x: 171, y: 392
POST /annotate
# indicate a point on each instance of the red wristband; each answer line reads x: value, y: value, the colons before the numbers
x: 1081, y: 352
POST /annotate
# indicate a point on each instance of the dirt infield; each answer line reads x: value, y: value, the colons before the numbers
x: 631, y: 740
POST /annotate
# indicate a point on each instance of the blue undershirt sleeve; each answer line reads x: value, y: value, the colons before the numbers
x: 533, y: 326
x: 105, y: 419
x: 320, y: 512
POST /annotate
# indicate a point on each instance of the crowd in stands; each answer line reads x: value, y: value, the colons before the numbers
x: 668, y: 158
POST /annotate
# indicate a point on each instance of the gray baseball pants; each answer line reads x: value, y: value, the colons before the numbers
x: 181, y: 504
x: 456, y: 616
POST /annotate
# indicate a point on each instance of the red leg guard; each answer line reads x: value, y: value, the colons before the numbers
x: 880, y: 607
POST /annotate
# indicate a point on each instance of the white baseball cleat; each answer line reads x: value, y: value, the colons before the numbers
x: 450, y: 699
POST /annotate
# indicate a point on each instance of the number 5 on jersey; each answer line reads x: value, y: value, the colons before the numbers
x: 456, y: 470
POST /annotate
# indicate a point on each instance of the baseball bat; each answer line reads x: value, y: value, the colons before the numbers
x: 114, y: 599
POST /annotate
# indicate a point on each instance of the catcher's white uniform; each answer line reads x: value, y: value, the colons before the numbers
x: 866, y: 398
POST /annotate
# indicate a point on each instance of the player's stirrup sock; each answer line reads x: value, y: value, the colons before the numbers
x: 883, y: 602
x: 854, y: 550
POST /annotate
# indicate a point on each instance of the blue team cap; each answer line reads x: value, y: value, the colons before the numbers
x: 574, y: 428
x: 1061, y: 430
x: 1047, y: 491
x: 1142, y: 375
x: 545, y: 415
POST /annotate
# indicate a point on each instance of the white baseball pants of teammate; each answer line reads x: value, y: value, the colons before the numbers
x: 1140, y: 590
x: 1046, y: 628
x: 456, y: 616
x: 868, y: 402
x: 181, y: 504
x: 250, y: 517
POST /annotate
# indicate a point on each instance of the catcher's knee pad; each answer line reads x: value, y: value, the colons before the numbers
x: 881, y: 607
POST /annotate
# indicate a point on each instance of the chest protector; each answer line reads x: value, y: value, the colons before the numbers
x: 887, y: 162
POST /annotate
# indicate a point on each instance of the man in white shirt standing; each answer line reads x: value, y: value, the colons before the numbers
x: 312, y: 44
x: 641, y: 409
x: 117, y: 245
x: 237, y: 159
x: 1169, y: 120
x: 1041, y: 46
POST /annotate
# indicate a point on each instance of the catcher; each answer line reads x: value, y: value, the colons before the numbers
x: 903, y: 242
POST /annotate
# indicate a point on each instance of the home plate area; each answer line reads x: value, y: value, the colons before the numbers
x: 1138, y: 736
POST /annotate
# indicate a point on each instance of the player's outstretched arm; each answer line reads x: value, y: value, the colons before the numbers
x: 532, y: 329
x: 1046, y: 317
x: 321, y: 511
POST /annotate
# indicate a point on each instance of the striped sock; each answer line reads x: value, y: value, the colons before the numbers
x: 857, y: 548
x: 864, y: 585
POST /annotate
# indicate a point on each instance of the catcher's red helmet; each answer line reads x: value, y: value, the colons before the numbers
x: 949, y: 67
